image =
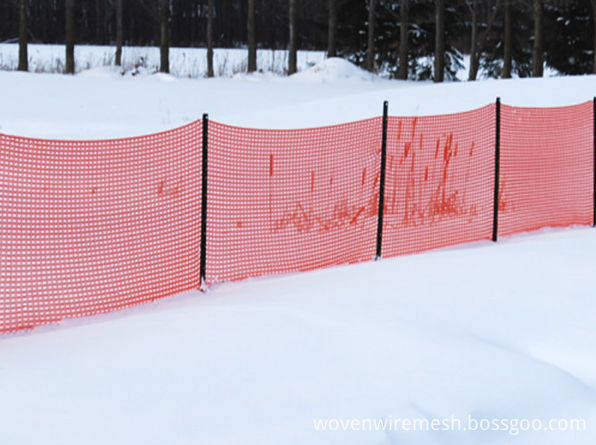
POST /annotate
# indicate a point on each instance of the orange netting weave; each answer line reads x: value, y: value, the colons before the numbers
x: 439, y: 181
x: 547, y: 167
x: 291, y: 200
x: 94, y: 226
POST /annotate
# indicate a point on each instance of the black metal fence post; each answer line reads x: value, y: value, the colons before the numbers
x: 382, y: 181
x: 203, y: 247
x: 497, y: 171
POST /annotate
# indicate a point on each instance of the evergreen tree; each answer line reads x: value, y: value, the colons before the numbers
x: 569, y: 42
x: 492, y: 57
x: 370, y: 45
x: 404, y: 44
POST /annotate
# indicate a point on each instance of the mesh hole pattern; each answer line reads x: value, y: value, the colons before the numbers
x: 440, y: 179
x: 547, y: 167
x: 93, y: 226
x: 284, y: 201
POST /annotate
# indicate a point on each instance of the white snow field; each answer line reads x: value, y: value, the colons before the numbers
x: 503, y: 334
x: 184, y: 62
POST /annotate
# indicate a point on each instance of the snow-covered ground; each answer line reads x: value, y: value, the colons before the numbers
x: 184, y: 62
x: 101, y: 102
x: 502, y: 332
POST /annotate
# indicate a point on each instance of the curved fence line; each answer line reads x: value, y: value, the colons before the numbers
x: 94, y: 226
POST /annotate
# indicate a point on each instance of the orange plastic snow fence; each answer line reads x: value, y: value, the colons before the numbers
x: 547, y: 167
x: 291, y: 200
x: 440, y: 181
x: 94, y: 226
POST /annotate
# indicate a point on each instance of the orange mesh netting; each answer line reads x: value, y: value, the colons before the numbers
x: 547, y: 167
x: 93, y: 226
x: 291, y: 200
x: 439, y: 181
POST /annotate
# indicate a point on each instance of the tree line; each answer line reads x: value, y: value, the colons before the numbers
x: 409, y: 39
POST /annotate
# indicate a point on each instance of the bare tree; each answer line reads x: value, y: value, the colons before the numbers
x: 402, y: 70
x: 98, y: 22
x: 507, y: 41
x: 538, y: 50
x: 252, y: 38
x: 474, y: 59
x: 70, y: 62
x: 478, y: 42
x: 164, y: 48
x: 332, y: 29
x: 370, y: 49
x: 23, y: 30
x: 292, y: 64
x: 439, y: 75
x: 210, y: 13
x: 119, y: 33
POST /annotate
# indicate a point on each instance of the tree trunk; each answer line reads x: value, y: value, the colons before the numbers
x: 98, y: 22
x: 70, y: 62
x: 252, y: 38
x: 292, y: 65
x: 439, y: 41
x: 370, y: 49
x: 402, y: 70
x: 538, y: 50
x: 119, y: 32
x: 164, y: 50
x: 211, y: 7
x: 474, y: 55
x: 331, y: 43
x: 23, y: 30
x: 507, y: 42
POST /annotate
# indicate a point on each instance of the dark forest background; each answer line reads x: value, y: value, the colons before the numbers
x: 504, y: 37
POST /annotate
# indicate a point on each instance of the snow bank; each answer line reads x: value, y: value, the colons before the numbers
x: 100, y: 103
x: 334, y: 70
